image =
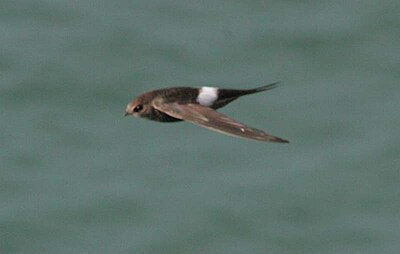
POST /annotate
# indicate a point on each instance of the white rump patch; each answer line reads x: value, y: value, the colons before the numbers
x: 207, y: 95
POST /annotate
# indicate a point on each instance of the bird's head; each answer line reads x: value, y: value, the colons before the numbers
x: 139, y: 107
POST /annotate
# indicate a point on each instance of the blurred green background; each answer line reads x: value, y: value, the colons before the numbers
x: 76, y: 177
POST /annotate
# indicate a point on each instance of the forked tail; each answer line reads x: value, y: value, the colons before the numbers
x: 263, y: 88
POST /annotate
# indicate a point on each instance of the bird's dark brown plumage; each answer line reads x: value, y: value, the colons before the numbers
x: 197, y: 105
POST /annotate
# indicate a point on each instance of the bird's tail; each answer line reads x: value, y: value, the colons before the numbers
x: 263, y: 88
x: 233, y: 94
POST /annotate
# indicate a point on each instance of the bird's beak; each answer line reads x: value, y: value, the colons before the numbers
x: 126, y: 113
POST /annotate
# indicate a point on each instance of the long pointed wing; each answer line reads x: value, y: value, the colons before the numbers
x: 213, y: 120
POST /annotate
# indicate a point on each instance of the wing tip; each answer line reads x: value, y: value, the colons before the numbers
x: 280, y: 140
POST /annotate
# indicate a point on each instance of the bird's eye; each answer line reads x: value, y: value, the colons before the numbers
x: 138, y: 108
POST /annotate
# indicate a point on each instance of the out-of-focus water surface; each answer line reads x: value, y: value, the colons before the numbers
x: 76, y: 177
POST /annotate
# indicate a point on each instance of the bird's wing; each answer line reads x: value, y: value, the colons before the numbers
x: 213, y: 120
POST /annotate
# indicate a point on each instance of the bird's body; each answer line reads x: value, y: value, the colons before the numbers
x: 197, y: 105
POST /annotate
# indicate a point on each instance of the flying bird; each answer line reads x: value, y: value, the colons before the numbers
x: 198, y: 106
